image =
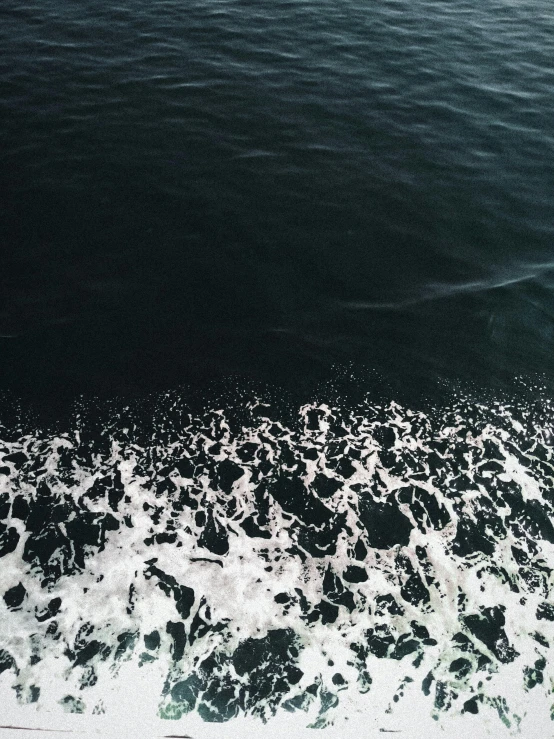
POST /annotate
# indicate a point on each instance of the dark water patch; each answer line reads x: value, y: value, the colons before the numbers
x: 190, y: 194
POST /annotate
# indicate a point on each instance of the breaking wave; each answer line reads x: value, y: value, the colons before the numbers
x: 327, y: 559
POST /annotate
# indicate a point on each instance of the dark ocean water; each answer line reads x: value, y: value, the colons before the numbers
x: 282, y: 276
x: 192, y: 189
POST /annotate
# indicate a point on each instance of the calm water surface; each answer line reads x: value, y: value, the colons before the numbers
x: 192, y: 189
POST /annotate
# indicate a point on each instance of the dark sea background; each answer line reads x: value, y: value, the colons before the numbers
x: 196, y: 189
x: 277, y: 296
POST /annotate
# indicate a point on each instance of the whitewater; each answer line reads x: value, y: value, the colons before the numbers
x: 256, y: 562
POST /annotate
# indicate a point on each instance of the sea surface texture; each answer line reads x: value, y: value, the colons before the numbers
x: 276, y: 359
x: 264, y: 558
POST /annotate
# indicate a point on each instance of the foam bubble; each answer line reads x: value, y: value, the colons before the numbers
x: 329, y: 563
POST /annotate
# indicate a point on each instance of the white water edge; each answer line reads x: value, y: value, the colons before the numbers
x: 486, y: 466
